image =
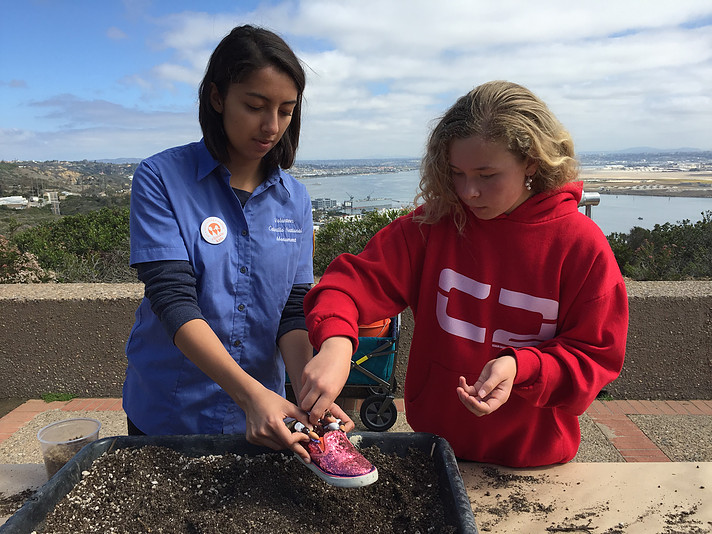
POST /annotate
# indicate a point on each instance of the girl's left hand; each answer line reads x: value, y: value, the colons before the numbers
x: 492, y: 388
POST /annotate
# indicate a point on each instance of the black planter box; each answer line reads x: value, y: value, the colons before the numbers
x: 453, y: 494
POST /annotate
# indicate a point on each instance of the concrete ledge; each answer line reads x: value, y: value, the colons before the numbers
x: 669, y: 350
x: 70, y: 338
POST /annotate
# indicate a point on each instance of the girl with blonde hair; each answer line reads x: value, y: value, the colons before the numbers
x: 520, y: 309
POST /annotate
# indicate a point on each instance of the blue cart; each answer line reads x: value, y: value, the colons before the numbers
x: 373, y: 368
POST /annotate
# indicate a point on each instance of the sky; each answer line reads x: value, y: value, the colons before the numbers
x: 87, y: 79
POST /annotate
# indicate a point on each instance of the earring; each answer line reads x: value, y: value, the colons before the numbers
x: 528, y: 183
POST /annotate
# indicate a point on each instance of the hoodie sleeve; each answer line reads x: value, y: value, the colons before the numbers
x: 363, y: 288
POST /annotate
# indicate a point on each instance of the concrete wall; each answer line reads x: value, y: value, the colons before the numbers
x: 669, y: 349
x: 70, y: 338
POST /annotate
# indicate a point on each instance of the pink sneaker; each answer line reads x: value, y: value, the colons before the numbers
x: 335, y: 459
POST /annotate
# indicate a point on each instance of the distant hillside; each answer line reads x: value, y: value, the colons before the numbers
x: 32, y: 178
x: 649, y: 150
x: 120, y: 160
x: 699, y: 160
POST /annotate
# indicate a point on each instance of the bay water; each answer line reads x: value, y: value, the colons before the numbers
x: 615, y: 213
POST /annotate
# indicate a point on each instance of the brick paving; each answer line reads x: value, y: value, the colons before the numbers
x: 612, y: 418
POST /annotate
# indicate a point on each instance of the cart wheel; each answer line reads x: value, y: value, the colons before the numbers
x: 378, y: 416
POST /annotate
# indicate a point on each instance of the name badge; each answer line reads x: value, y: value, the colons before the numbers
x: 213, y: 230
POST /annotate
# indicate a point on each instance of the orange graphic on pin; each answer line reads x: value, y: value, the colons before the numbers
x: 213, y: 230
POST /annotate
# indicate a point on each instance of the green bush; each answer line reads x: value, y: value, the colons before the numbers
x: 94, y: 247
x: 348, y: 235
x: 681, y: 251
x: 91, y: 247
x: 20, y: 267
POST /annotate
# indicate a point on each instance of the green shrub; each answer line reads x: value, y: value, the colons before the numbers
x: 348, y: 235
x: 91, y: 247
x: 94, y: 247
x: 20, y: 267
x: 681, y: 251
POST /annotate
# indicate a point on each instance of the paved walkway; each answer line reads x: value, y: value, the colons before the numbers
x: 612, y: 417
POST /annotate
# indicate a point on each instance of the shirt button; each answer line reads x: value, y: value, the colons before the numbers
x: 237, y: 343
x: 243, y: 270
x: 244, y: 232
x: 241, y: 307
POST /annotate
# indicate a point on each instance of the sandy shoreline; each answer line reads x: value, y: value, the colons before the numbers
x: 642, y: 182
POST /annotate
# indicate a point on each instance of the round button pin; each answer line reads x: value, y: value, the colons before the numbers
x: 213, y: 230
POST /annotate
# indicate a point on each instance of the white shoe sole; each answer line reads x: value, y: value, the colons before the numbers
x: 343, y: 481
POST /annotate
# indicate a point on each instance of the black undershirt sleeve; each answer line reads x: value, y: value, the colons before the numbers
x: 170, y: 288
x: 293, y: 314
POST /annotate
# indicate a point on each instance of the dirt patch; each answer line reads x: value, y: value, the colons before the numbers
x: 156, y: 489
x: 512, y: 502
x: 9, y: 504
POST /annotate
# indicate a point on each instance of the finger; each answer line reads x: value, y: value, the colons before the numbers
x: 318, y: 410
x: 288, y: 439
x: 341, y: 414
x: 337, y: 412
x: 308, y: 400
x: 349, y: 425
x: 473, y: 404
x: 295, y: 412
x: 484, y: 390
x: 298, y: 448
x: 462, y: 383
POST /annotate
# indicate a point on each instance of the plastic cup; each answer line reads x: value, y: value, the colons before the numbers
x: 60, y: 441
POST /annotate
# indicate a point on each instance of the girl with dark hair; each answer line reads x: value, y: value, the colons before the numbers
x: 520, y: 309
x: 221, y: 236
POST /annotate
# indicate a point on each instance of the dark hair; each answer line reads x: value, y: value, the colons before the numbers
x: 243, y: 51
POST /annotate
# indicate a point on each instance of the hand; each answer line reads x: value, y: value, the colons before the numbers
x: 324, y: 376
x: 265, y: 415
x: 492, y: 388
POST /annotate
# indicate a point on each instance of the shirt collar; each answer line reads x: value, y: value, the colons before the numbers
x: 276, y: 178
x: 207, y: 164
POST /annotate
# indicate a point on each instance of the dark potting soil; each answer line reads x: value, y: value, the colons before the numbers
x: 155, y: 489
x: 55, y: 457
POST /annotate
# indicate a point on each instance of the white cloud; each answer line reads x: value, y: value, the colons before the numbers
x: 115, y: 34
x: 97, y: 130
x: 617, y: 74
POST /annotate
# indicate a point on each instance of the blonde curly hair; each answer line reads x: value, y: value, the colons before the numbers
x: 501, y: 112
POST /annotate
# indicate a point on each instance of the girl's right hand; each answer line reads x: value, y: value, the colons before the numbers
x: 324, y: 377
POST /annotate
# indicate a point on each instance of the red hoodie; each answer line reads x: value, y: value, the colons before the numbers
x: 540, y: 283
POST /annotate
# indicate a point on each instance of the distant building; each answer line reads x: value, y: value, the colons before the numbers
x: 16, y: 202
x: 324, y: 203
x: 367, y: 204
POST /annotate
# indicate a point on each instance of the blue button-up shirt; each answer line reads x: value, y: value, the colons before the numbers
x: 244, y: 277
